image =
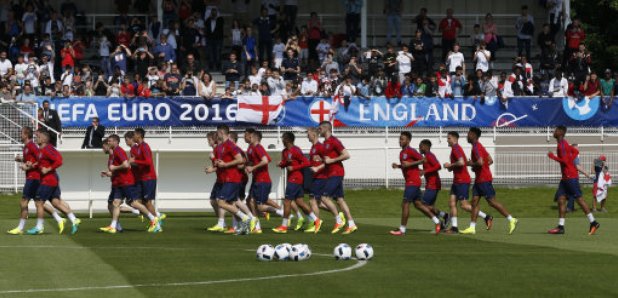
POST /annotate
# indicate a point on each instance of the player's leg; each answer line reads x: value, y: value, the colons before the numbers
x: 574, y: 190
x: 43, y: 194
x: 595, y: 199
x: 463, y: 195
x: 226, y: 198
x: 254, y: 221
x: 452, y: 204
x: 287, y: 208
x: 560, y: 197
x: 132, y: 199
x: 64, y: 207
x: 405, y: 214
x: 29, y: 193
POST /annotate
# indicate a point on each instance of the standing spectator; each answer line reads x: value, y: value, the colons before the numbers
x: 323, y: 48
x: 214, y: 39
x: 352, y: 18
x: 545, y: 38
x: 54, y: 27
x: 420, y: 19
x: 192, y: 65
x: 404, y: 62
x: 549, y: 60
x: 237, y: 38
x: 119, y: 58
x: 449, y: 26
x: 68, y: 56
x: 482, y: 57
x: 579, y: 64
x: 303, y: 44
x: 315, y: 35
x: 232, y: 70
x: 123, y: 37
x: 455, y: 59
x: 127, y: 89
x: 94, y: 135
x: 172, y: 81
x: 558, y: 86
x: 272, y: 8
x: 278, y: 52
x: 607, y: 89
x: 525, y: 31
x: 265, y: 39
x: 374, y: 62
x: 46, y: 69
x: 290, y: 67
x: 164, y: 51
x: 555, y: 16
x: 390, y: 63
x: 143, y: 60
x: 458, y: 82
x: 392, y: 10
x: 52, y: 120
x: 309, y: 86
x: 353, y: 71
x: 329, y: 64
x: 249, y: 49
x: 575, y: 35
x: 291, y: 11
x: 5, y: 65
x: 104, y: 52
x: 490, y: 31
x: 29, y: 20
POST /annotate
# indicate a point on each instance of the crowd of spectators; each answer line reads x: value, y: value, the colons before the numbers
x: 44, y: 52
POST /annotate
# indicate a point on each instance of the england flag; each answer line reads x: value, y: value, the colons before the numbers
x: 259, y: 109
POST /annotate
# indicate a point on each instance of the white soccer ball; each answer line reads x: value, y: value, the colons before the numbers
x: 299, y: 252
x: 364, y: 251
x: 342, y: 252
x: 265, y: 253
x: 282, y: 252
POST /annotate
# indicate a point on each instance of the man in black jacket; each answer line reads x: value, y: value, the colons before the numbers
x: 51, y: 119
x: 214, y: 39
x: 94, y: 135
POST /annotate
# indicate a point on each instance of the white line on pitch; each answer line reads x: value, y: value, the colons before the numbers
x: 359, y: 264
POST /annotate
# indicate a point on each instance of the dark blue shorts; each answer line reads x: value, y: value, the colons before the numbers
x: 148, y: 189
x: 215, y: 189
x: 127, y: 193
x: 430, y: 196
x: 569, y: 188
x: 228, y: 192
x: 47, y: 193
x: 260, y: 191
x: 333, y: 188
x: 242, y: 191
x: 411, y: 193
x: 294, y: 191
x: 461, y: 191
x: 317, y: 187
x: 30, y: 188
x: 484, y: 189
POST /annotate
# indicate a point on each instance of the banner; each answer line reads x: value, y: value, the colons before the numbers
x: 309, y: 111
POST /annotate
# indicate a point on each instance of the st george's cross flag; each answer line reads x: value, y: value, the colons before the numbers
x: 259, y: 109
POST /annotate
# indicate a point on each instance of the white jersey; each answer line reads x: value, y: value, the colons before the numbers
x: 605, y: 180
x: 405, y: 62
x: 454, y: 60
x: 482, y: 60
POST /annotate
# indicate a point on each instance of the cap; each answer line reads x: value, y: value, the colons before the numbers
x: 602, y: 157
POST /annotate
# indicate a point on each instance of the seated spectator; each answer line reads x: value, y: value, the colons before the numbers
x: 27, y: 95
x: 276, y: 84
x: 189, y: 85
x: 172, y: 81
x: 488, y: 87
x: 444, y: 85
x: 228, y: 93
x: 345, y: 91
x: 164, y: 50
x: 607, y: 89
x: 158, y: 88
x: 379, y: 84
x: 421, y: 88
x: 558, y: 86
x: 232, y: 70
x: 309, y: 86
x: 549, y: 60
x: 127, y: 89
x: 408, y: 88
x: 329, y: 64
x: 432, y: 87
x: 458, y: 81
x: 114, y: 90
x: 323, y: 48
x: 208, y: 87
x: 591, y: 86
x: 393, y: 89
x: 363, y: 88
x: 100, y: 86
x: 255, y: 90
x: 353, y: 70
x: 471, y: 88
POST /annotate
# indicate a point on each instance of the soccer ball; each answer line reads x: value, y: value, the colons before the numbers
x: 265, y: 253
x: 282, y: 252
x: 300, y: 252
x: 364, y: 251
x: 342, y: 252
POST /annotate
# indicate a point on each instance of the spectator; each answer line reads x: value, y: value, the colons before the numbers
x: 315, y: 35
x: 549, y: 61
x: 94, y: 135
x: 192, y: 65
x: 482, y: 57
x: 329, y: 64
x: 579, y: 64
x: 454, y: 59
x: 52, y: 121
x: 214, y: 39
x: 379, y: 83
x: 373, y: 59
x: 420, y: 88
x: 172, y: 81
x: 558, y: 86
x: 290, y: 67
x: 472, y: 87
x: 488, y: 87
x: 449, y: 27
x: 575, y: 35
x: 278, y: 52
x: 143, y: 60
x: 404, y: 62
x: 353, y: 70
x: 164, y: 51
x: 207, y: 86
x: 490, y: 31
x: 408, y: 88
x: 476, y: 37
x: 249, y: 45
x: 323, y: 48
x: 458, y: 82
x: 104, y: 53
x: 352, y: 18
x: 591, y: 86
x: 303, y: 44
x: 555, y: 16
x: 119, y: 58
x: 20, y: 70
x: 276, y: 84
x: 545, y: 38
x: 393, y: 10
x: 290, y: 8
x: 27, y: 94
x: 443, y: 83
x: 5, y: 65
x: 418, y: 52
x: 232, y: 70
x: 525, y: 31
x: 432, y: 87
x: 54, y: 27
x: 127, y: 89
x: 421, y: 18
x: 607, y: 89
x: 189, y: 85
x: 265, y: 27
x: 309, y: 86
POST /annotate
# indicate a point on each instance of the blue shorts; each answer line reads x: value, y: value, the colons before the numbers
x: 461, y: 191
x: 317, y: 186
x: 569, y: 188
x: 47, y: 193
x: 215, y: 189
x: 484, y: 189
x: 430, y: 196
x: 333, y: 188
x: 259, y: 192
x: 127, y: 193
x: 228, y: 192
x: 147, y: 189
x: 294, y: 191
x: 411, y: 193
x: 30, y: 188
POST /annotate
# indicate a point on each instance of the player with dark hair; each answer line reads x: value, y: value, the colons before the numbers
x: 409, y: 160
x: 569, y: 184
x: 242, y: 194
x: 433, y: 184
x: 480, y: 162
x: 220, y: 212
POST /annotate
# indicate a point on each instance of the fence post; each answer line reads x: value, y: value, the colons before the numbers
x: 386, y: 158
x: 157, y: 188
x: 495, y: 132
x: 15, y: 169
x: 90, y: 183
x: 602, y: 134
x: 169, y: 140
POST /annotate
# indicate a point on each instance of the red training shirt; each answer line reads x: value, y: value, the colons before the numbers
x: 333, y: 149
x: 227, y: 152
x: 122, y: 177
x: 566, y: 157
x: 315, y: 157
x: 255, y: 155
x: 294, y: 157
x: 460, y: 174
x: 482, y: 173
x: 432, y: 167
x: 410, y: 174
x: 144, y: 162
x: 30, y: 153
x: 49, y: 157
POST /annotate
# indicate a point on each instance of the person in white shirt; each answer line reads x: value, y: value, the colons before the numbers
x: 46, y: 69
x: 603, y: 183
x: 278, y: 50
x: 67, y: 77
x: 5, y: 64
x: 482, y: 57
x: 32, y: 73
x: 276, y: 84
x: 20, y: 70
x: 254, y: 77
x: 558, y: 86
x: 323, y: 48
x: 29, y: 20
x: 404, y: 61
x: 455, y: 58
x: 309, y: 86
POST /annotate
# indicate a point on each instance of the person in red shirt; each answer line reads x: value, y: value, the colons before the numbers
x: 333, y: 155
x: 27, y: 162
x: 480, y: 162
x: 569, y: 184
x: 123, y: 186
x: 127, y: 89
x: 47, y: 161
x: 143, y: 90
x: 242, y: 194
x: 592, y: 86
x: 220, y: 212
x: 449, y: 27
x: 409, y: 160
x: 460, y: 189
x: 68, y: 56
x: 293, y: 160
x: 574, y: 35
x: 319, y: 180
x: 433, y: 184
x: 123, y: 37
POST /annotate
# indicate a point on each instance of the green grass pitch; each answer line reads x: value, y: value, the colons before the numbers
x: 187, y: 261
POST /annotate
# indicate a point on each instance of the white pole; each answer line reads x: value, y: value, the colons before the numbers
x: 90, y: 183
x: 364, y: 25
x: 15, y: 169
x: 157, y: 186
x: 386, y: 158
x: 160, y: 14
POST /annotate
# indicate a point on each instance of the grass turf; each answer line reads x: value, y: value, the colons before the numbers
x: 185, y: 260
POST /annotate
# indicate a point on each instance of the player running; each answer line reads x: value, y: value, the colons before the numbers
x: 220, y: 226
x: 319, y: 179
x: 293, y: 160
x: 33, y: 180
x: 242, y: 194
x: 409, y: 160
x: 480, y: 162
x: 333, y: 155
x: 460, y: 189
x: 433, y: 184
x: 48, y: 160
x: 123, y: 187
x: 569, y: 184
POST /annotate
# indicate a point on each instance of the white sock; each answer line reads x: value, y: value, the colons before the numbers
x: 118, y: 226
x: 22, y: 224
x: 509, y: 217
x: 150, y: 216
x: 221, y: 222
x: 442, y: 214
x: 258, y: 226
x: 234, y: 222
x: 590, y: 217
x: 561, y: 222
x: 114, y: 224
x: 338, y: 220
x: 158, y: 214
x: 242, y: 216
x: 135, y: 211
x: 454, y: 221
x: 72, y: 217
x: 312, y: 216
x: 351, y: 223
x: 402, y: 229
x: 473, y: 225
x: 299, y: 214
x: 279, y: 212
x: 482, y: 214
x: 435, y: 220
x: 56, y: 216
x: 284, y: 222
x: 39, y: 223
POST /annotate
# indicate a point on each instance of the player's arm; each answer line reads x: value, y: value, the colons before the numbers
x: 238, y: 159
x: 318, y: 168
x: 303, y: 162
x: 583, y: 171
x: 263, y: 162
x: 344, y: 155
x: 561, y: 160
x: 124, y: 165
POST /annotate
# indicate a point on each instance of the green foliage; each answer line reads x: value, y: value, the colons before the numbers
x: 599, y: 19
